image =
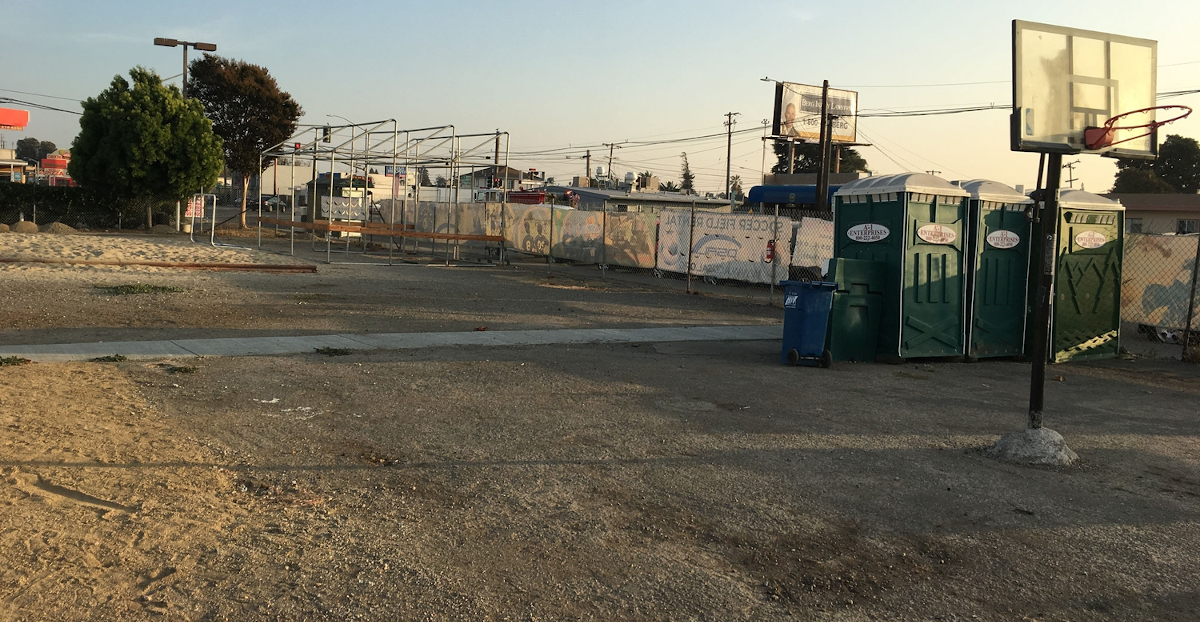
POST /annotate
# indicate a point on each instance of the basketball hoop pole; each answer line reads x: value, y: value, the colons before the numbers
x: 1046, y: 260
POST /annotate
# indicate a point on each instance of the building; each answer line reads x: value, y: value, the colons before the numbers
x: 54, y: 169
x: 1160, y: 213
x: 488, y: 183
x: 12, y: 169
x: 597, y: 199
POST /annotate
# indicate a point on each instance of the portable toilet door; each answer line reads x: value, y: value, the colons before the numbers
x: 1087, y: 280
x: 868, y: 225
x: 914, y: 223
x: 934, y: 317
x: 997, y: 269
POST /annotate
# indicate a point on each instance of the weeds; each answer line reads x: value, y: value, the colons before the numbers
x: 138, y: 288
x: 13, y: 360
x: 111, y: 358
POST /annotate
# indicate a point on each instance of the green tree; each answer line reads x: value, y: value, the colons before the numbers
x: 1177, y: 169
x: 668, y: 187
x: 1141, y: 181
x: 144, y: 140
x: 423, y: 176
x: 33, y: 150
x: 687, y: 181
x: 735, y: 188
x: 248, y: 110
x: 808, y: 159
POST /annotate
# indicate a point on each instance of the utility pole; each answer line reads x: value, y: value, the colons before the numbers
x: 1071, y: 178
x: 729, y: 152
x: 610, y: 146
x: 823, y: 171
x: 496, y: 166
x: 587, y: 174
x: 762, y: 169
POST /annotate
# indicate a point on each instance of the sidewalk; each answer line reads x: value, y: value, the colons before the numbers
x: 260, y: 346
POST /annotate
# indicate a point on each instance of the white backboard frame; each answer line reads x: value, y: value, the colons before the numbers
x: 1066, y: 80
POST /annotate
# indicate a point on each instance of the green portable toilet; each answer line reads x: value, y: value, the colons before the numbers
x: 997, y: 268
x: 1086, y: 320
x: 915, y: 224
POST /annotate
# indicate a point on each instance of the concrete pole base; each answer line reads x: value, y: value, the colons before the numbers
x: 1040, y: 446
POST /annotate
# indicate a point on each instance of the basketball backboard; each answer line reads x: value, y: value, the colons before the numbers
x: 1066, y: 80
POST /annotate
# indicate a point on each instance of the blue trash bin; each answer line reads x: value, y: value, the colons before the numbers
x: 806, y: 309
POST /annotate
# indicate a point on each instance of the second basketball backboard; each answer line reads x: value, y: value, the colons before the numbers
x: 1066, y: 80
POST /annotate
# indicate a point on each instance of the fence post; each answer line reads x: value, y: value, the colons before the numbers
x: 550, y: 240
x: 691, y: 232
x: 774, y: 256
x: 603, y: 239
x: 1187, y: 327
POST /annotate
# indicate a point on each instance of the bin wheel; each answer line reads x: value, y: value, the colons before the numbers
x: 826, y: 359
x: 793, y: 357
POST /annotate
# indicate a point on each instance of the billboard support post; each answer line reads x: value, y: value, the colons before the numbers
x: 823, y: 171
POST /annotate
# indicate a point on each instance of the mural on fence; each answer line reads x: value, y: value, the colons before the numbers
x: 629, y: 240
x: 578, y: 235
x: 813, y: 242
x: 725, y: 246
x: 1157, y: 279
x: 527, y: 227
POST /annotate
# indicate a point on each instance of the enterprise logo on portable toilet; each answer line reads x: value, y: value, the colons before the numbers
x: 1091, y: 239
x: 868, y: 232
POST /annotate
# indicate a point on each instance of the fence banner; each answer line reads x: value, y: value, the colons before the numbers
x: 527, y: 227
x: 813, y: 242
x: 1157, y: 279
x: 725, y: 246
x: 577, y: 235
x: 629, y: 239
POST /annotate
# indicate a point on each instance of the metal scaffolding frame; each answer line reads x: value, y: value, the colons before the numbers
x: 360, y: 146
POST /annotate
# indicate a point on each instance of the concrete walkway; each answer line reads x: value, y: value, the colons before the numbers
x: 260, y: 346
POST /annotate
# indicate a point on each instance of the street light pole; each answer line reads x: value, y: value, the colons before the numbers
x: 170, y: 43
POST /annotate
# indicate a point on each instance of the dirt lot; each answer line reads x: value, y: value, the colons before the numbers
x: 665, y: 482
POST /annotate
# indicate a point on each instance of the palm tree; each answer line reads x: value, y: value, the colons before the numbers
x: 668, y: 187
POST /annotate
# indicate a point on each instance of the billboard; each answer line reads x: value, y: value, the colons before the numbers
x: 12, y: 119
x: 798, y: 112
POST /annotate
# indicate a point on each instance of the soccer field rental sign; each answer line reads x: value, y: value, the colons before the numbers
x: 724, y: 246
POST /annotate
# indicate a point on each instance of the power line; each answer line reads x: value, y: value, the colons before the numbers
x: 9, y: 100
x: 70, y: 99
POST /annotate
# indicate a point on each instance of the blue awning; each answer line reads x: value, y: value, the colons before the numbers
x: 798, y: 195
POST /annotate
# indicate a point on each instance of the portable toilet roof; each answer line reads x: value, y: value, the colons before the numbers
x: 1079, y: 199
x: 987, y: 190
x: 923, y: 183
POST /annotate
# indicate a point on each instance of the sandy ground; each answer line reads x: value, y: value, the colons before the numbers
x: 61, y: 304
x: 699, y: 481
x: 132, y: 248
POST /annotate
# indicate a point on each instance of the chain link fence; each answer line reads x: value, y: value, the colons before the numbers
x: 77, y: 208
x: 1159, y: 298
x: 742, y: 254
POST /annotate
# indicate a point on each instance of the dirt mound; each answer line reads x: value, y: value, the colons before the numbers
x: 3, y: 228
x: 58, y: 228
x: 162, y: 229
x: 24, y: 226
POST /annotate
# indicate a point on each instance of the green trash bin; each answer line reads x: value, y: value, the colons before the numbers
x: 1086, y: 313
x: 915, y: 224
x: 857, y: 307
x: 997, y: 269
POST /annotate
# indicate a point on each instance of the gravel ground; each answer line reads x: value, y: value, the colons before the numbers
x: 690, y: 481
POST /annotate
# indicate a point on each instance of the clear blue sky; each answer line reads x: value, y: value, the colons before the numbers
x: 563, y: 73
